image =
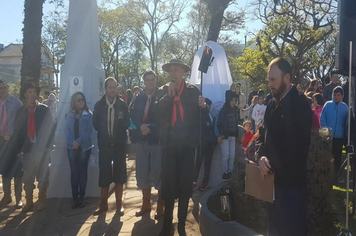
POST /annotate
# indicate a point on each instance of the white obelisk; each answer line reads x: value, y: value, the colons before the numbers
x: 80, y: 72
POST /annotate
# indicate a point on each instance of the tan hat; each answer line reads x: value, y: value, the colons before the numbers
x: 179, y: 62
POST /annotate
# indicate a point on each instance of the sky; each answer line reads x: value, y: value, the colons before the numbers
x: 11, y: 17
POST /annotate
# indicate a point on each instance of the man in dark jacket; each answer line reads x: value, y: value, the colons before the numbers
x: 328, y: 89
x: 282, y: 148
x: 148, y: 151
x: 111, y: 119
x: 178, y: 110
x: 33, y: 122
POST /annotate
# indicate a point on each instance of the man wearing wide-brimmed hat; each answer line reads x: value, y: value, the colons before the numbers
x: 178, y: 111
x: 32, y: 132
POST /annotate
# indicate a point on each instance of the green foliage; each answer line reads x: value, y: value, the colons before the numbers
x: 54, y: 33
x: 113, y: 32
x: 250, y: 65
x: 15, y: 88
x: 296, y: 30
x: 159, y: 19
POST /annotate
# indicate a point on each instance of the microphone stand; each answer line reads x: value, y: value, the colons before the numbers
x: 349, y: 151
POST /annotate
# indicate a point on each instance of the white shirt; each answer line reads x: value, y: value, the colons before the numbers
x: 258, y: 112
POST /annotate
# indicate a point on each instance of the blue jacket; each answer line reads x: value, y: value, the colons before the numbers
x: 85, y: 130
x: 334, y: 116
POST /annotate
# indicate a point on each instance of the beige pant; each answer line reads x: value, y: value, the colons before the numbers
x: 35, y: 165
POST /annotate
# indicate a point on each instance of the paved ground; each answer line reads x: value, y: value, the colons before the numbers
x: 60, y: 219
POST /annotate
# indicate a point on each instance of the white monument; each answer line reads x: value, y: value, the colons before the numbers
x: 215, y: 83
x: 218, y: 77
x: 80, y: 72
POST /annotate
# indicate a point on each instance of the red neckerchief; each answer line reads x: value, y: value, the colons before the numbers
x: 4, y: 119
x: 277, y: 102
x: 31, y: 128
x: 177, y: 102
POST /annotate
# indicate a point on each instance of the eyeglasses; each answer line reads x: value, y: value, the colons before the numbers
x: 80, y: 100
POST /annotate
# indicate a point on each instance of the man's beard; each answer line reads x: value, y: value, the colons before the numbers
x: 279, y: 92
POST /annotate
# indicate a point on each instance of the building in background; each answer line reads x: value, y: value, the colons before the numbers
x: 10, y: 66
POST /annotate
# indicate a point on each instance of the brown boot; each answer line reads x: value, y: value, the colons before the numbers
x: 42, y: 199
x: 6, y: 199
x: 103, y: 202
x: 119, y: 188
x: 160, y: 206
x: 18, y: 192
x: 29, y: 202
x: 146, y: 202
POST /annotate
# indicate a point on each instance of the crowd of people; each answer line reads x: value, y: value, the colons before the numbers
x: 174, y: 133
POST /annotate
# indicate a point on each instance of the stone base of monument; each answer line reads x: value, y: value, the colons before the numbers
x: 215, y: 176
x: 211, y: 225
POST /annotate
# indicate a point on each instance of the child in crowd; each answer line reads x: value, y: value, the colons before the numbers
x: 334, y: 116
x: 249, y: 109
x: 228, y: 131
x: 316, y: 122
x: 249, y: 134
x: 319, y: 102
x: 259, y: 110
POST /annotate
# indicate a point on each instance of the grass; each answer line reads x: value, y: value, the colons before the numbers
x: 338, y: 199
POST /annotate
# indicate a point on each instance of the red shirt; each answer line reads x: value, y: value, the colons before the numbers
x: 248, y: 137
x: 316, y: 122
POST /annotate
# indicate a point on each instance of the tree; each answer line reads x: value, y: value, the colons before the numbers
x: 54, y: 37
x: 31, y: 52
x: 250, y: 65
x: 113, y: 32
x: 231, y: 20
x: 14, y: 88
x: 159, y: 18
x: 185, y: 43
x: 323, y: 58
x: 294, y: 29
x: 131, y: 65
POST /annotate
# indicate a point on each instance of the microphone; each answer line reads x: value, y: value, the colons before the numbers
x: 173, y: 80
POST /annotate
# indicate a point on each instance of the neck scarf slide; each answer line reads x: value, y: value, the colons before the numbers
x: 177, y: 102
x: 111, y: 116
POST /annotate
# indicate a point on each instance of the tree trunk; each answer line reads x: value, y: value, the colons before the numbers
x: 216, y: 8
x: 31, y: 52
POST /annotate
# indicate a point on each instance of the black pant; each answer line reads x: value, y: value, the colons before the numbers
x: 287, y: 214
x: 78, y: 161
x: 177, y: 178
x: 207, y: 155
x: 112, y: 165
x: 337, y: 152
x: 10, y: 164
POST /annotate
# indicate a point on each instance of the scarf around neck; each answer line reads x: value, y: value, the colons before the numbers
x: 31, y: 127
x: 177, y: 102
x: 111, y: 116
